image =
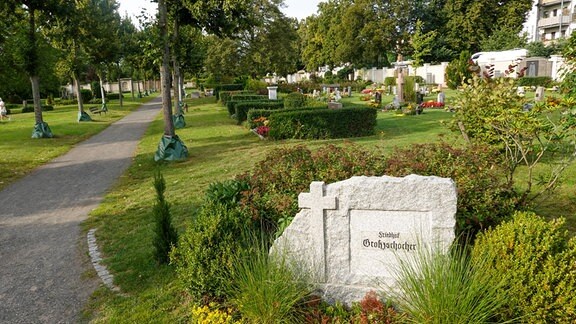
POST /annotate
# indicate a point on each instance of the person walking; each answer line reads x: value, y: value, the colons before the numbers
x: 3, y: 110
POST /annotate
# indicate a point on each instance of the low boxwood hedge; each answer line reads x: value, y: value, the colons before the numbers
x: 30, y: 108
x: 322, y: 123
x: 225, y: 96
x: 233, y: 100
x: 543, y: 81
x: 254, y: 114
x: 242, y: 108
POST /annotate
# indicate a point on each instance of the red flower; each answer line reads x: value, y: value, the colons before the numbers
x: 262, y: 130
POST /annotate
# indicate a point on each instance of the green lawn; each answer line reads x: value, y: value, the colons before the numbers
x: 21, y: 153
x: 219, y: 149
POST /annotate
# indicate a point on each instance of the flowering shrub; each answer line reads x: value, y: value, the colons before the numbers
x: 369, y: 310
x: 366, y: 91
x: 262, y: 130
x: 484, y: 198
x: 432, y: 104
x: 276, y: 181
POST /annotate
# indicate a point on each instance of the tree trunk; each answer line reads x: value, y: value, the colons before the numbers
x: 165, y: 70
x: 176, y: 68
x: 120, y: 86
x: 32, y: 63
x: 102, y: 89
x: 35, y: 80
x: 78, y: 93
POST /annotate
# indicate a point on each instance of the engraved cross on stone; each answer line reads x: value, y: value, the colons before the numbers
x: 317, y: 202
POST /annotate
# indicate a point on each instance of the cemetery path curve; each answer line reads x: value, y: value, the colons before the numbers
x: 43, y: 254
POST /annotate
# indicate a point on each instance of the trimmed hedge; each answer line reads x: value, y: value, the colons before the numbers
x: 226, y: 95
x: 113, y: 96
x: 231, y: 103
x: 30, y: 108
x: 322, y: 123
x: 543, y: 81
x: 223, y: 87
x: 257, y: 113
x: 243, y: 107
x: 295, y: 100
x: 11, y: 107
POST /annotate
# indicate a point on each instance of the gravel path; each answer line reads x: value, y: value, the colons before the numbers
x: 43, y: 254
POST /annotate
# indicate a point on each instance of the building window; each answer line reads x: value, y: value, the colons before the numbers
x: 553, y: 35
x: 555, y: 13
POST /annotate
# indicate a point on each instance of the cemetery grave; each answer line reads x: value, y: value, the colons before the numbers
x: 350, y: 234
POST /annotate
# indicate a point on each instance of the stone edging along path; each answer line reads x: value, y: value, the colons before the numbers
x: 106, y: 277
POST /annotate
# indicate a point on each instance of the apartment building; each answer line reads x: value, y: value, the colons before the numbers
x: 550, y: 20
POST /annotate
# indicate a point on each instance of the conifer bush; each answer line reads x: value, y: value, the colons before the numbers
x: 166, y: 236
x: 207, y: 250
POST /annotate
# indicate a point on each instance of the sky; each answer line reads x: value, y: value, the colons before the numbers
x: 294, y: 8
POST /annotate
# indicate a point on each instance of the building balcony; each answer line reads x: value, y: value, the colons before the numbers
x: 554, y: 21
x: 545, y: 3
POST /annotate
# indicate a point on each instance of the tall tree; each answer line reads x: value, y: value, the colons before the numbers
x: 104, y: 49
x: 219, y: 17
x: 70, y: 34
x: 48, y: 9
x: 271, y: 45
x: 222, y: 62
x: 469, y: 21
x: 422, y: 43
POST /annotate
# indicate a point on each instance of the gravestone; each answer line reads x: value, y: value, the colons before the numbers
x: 350, y: 235
x: 400, y: 79
x: 337, y: 95
x: 440, y: 97
x: 272, y: 93
x: 539, y: 95
x: 334, y: 105
x: 520, y: 91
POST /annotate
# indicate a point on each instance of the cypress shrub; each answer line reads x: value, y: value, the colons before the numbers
x: 206, y: 253
x: 458, y: 71
x: 165, y: 235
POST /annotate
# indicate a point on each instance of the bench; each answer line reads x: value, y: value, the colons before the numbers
x: 96, y: 110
